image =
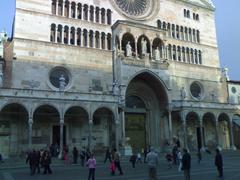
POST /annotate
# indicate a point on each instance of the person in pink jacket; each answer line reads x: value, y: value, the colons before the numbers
x: 91, y: 163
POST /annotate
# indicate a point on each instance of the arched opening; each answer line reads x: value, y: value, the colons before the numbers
x: 91, y: 38
x: 224, y: 131
x: 128, y: 39
x: 79, y: 35
x: 183, y: 54
x: 170, y: 51
x: 79, y: 11
x: 186, y: 34
x: 66, y: 8
x: 97, y: 14
x: 85, y: 38
x: 159, y: 24
x: 60, y: 7
x: 103, y: 15
x: 109, y: 17
x: 73, y: 10
x: 109, y: 41
x: 85, y: 11
x: 66, y: 34
x: 77, y: 124
x: 194, y: 139
x: 53, y: 32
x: 97, y: 39
x: 143, y: 46
x: 46, y: 127
x: 177, y: 127
x: 53, y: 6
x: 72, y: 34
x: 104, y: 130
x: 91, y: 13
x: 13, y: 130
x: 200, y: 57
x: 209, y: 131
x: 158, y: 48
x: 145, y: 112
x: 59, y: 34
x: 179, y: 57
x: 103, y: 40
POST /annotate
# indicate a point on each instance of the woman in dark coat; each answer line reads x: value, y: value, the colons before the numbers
x: 219, y: 163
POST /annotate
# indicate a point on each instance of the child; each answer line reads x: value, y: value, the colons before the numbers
x: 91, y: 163
x: 112, y: 168
x: 169, y: 159
x: 139, y: 158
x: 133, y: 160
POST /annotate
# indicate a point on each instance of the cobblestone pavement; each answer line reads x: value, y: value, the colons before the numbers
x: 203, y: 171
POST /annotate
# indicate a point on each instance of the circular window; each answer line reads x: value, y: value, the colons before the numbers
x: 196, y: 90
x: 234, y: 90
x: 136, y: 9
x: 59, y: 77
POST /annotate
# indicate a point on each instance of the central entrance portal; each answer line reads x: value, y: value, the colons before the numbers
x: 56, y: 135
x: 136, y: 131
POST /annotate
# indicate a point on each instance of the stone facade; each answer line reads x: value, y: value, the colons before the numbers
x: 107, y: 97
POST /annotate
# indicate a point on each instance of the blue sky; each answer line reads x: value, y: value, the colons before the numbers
x: 227, y: 22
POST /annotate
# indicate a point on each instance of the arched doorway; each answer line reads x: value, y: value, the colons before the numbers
x: 146, y: 119
x: 194, y: 138
x: 46, y: 127
x: 13, y: 130
x: 103, y: 131
x: 77, y: 122
x: 224, y: 131
x: 209, y: 130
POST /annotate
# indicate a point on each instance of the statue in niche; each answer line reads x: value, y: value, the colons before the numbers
x: 183, y: 92
x: 144, y: 46
x: 128, y: 49
x: 157, y: 54
x: 62, y: 82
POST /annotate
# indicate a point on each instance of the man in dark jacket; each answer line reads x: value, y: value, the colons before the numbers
x: 186, y: 164
x: 219, y: 163
x: 32, y: 159
x: 75, y: 155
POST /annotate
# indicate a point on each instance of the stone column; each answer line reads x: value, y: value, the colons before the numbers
x: 75, y: 37
x: 136, y: 49
x: 217, y: 132
x: 123, y: 126
x: 184, y: 125
x: 56, y: 34
x: 30, y: 123
x: 62, y: 37
x: 69, y: 36
x: 61, y: 134
x: 90, y: 125
x: 76, y: 11
x: 151, y: 50
x: 117, y: 133
x: 63, y: 8
x: 170, y: 122
x: 120, y: 44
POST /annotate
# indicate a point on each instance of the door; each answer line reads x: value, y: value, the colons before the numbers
x: 135, y: 128
x: 56, y: 135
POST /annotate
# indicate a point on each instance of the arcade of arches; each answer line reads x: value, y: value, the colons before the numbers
x: 147, y: 119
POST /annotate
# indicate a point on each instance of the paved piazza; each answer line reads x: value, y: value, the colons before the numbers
x: 203, y: 171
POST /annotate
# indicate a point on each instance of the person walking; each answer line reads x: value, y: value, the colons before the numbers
x: 32, y: 159
x: 91, y: 163
x: 75, y: 155
x: 139, y: 158
x: 46, y: 163
x: 219, y: 163
x: 186, y: 164
x: 82, y: 156
x: 107, y: 156
x: 152, y: 161
x: 116, y: 159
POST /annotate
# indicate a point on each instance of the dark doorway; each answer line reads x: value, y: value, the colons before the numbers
x: 56, y: 135
x: 199, y: 138
x: 136, y: 131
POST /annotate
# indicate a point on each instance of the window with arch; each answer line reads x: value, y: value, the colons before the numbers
x: 192, y: 56
x: 186, y: 34
x: 177, y: 32
x: 188, y: 14
x: 90, y: 38
x: 59, y: 33
x: 196, y: 56
x: 66, y: 38
x: 72, y: 34
x: 79, y: 11
x: 97, y: 14
x: 85, y: 38
x: 179, y: 53
x: 200, y: 57
x: 159, y: 24
x: 103, y: 15
x: 185, y: 13
x: 91, y: 13
x: 60, y: 7
x: 169, y: 29
x: 181, y: 33
x: 173, y: 30
x: 170, y: 51
x: 190, y: 34
x: 174, y: 53
x: 97, y: 41
x: 188, y: 55
x: 109, y: 41
x: 53, y: 33
x: 54, y: 7
x: 164, y: 26
x: 73, y: 8
x: 109, y: 17
x: 85, y: 11
x: 183, y: 54
x: 103, y: 40
x: 66, y: 8
x: 79, y: 36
